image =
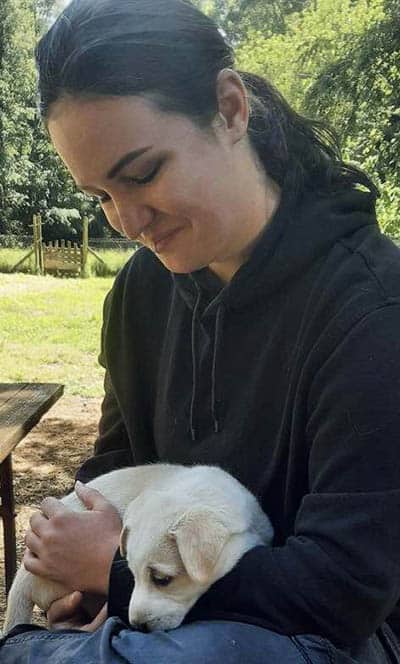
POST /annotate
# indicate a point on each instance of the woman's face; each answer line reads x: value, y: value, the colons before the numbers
x: 195, y: 198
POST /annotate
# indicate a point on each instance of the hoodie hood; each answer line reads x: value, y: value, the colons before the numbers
x: 297, y: 235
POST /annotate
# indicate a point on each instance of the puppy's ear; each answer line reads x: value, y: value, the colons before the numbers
x: 200, y: 537
x: 123, y: 540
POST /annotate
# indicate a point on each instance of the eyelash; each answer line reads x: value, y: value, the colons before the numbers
x: 138, y: 181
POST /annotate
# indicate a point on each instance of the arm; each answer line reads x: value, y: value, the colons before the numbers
x: 112, y: 448
x: 339, y: 574
x: 51, y: 538
x: 130, y: 353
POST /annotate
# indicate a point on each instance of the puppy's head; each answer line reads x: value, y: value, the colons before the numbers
x: 173, y: 556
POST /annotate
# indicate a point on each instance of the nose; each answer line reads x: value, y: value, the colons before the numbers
x: 133, y: 219
x: 142, y: 627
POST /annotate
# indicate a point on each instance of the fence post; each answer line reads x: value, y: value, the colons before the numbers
x: 40, y: 243
x: 37, y: 244
x: 35, y: 247
x: 84, y: 248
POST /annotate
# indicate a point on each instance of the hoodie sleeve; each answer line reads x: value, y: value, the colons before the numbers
x: 338, y: 575
x: 112, y: 448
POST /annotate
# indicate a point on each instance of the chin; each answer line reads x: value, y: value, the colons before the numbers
x: 165, y: 623
x: 179, y: 266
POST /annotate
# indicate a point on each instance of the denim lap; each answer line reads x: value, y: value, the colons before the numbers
x: 198, y: 643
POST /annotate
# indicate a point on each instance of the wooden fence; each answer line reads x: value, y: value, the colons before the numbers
x: 59, y: 257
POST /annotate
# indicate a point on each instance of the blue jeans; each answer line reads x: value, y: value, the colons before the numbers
x: 196, y: 643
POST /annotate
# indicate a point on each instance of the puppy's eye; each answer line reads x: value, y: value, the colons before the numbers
x: 159, y: 580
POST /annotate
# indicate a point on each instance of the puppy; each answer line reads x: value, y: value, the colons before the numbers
x: 184, y: 527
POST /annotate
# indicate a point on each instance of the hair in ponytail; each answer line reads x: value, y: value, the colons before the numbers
x: 296, y: 151
x: 171, y: 53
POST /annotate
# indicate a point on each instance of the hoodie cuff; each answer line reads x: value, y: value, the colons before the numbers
x: 120, y: 589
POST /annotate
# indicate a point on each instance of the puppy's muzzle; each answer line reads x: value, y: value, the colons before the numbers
x: 141, y: 627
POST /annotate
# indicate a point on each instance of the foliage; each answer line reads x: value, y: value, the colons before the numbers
x: 362, y: 88
x: 341, y: 63
x: 17, y: 38
x: 238, y: 17
x: 32, y: 176
x: 335, y: 59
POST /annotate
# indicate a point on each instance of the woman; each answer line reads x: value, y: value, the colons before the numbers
x: 257, y: 330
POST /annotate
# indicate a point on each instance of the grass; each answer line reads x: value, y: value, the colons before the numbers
x: 50, y: 331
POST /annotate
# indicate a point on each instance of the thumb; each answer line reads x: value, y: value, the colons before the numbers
x: 72, y: 601
x: 91, y: 498
x: 65, y: 607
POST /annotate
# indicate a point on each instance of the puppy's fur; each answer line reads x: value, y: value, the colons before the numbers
x: 183, y: 529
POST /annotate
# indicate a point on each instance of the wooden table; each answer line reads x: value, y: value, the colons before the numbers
x: 21, y: 407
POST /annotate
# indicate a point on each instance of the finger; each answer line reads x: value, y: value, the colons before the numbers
x: 37, y: 522
x: 32, y: 563
x: 91, y: 498
x: 98, y: 620
x: 51, y: 506
x: 33, y: 542
x: 64, y: 608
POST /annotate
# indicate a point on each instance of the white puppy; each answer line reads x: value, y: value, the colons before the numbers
x: 183, y: 529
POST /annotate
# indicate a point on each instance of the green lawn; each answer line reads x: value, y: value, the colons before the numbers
x: 50, y: 331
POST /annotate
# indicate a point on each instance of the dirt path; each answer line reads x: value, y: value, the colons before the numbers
x: 46, y: 460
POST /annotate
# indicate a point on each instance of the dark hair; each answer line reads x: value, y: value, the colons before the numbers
x: 171, y: 52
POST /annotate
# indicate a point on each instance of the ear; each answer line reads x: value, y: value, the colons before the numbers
x: 233, y: 104
x: 123, y: 540
x: 200, y: 538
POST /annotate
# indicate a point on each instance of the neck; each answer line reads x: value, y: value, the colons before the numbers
x: 226, y: 269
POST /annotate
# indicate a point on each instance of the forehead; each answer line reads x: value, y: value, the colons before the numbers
x: 91, y: 134
x: 150, y: 518
x: 151, y: 546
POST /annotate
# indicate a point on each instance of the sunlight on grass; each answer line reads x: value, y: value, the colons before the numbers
x: 50, y: 331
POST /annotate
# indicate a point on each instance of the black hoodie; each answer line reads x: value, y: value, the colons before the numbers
x: 289, y: 378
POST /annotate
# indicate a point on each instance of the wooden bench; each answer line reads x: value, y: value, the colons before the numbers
x: 21, y: 407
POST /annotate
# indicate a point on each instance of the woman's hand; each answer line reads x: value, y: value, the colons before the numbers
x: 67, y: 613
x: 75, y: 549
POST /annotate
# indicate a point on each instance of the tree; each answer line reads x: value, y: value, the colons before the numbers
x: 336, y: 59
x: 238, y: 17
x: 17, y: 37
x: 32, y: 177
x: 361, y: 90
x: 339, y: 60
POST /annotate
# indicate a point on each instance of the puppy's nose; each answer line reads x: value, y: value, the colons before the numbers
x: 142, y: 627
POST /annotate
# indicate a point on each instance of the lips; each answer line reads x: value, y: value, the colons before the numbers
x: 159, y: 242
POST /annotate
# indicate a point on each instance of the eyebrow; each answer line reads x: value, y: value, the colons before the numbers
x: 125, y: 160
x: 121, y: 163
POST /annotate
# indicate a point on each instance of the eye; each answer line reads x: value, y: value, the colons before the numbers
x: 147, y: 178
x: 160, y: 580
x: 102, y: 199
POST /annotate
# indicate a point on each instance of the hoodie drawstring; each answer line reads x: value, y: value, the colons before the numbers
x: 194, y: 365
x: 217, y: 341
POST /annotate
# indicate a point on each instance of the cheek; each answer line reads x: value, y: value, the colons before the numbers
x: 112, y: 217
x: 197, y: 182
